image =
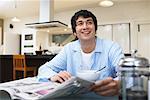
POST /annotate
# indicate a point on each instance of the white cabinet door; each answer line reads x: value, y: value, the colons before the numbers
x: 105, y: 32
x: 116, y: 32
x: 121, y: 35
x: 0, y: 36
x: 144, y: 40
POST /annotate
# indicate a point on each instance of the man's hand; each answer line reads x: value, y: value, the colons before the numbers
x: 106, y: 87
x: 61, y: 77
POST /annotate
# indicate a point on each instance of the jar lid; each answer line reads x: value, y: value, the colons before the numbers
x: 140, y: 62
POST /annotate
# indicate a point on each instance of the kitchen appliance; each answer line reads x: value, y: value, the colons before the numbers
x: 134, y: 74
x: 46, y: 17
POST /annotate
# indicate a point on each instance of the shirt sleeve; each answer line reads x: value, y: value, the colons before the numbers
x: 52, y: 67
x: 115, y: 54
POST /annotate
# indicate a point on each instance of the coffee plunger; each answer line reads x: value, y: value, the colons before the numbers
x: 134, y: 75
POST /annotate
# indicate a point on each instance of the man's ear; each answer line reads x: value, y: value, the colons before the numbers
x: 75, y: 34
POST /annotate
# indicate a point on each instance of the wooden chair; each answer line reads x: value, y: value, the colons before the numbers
x: 19, y: 64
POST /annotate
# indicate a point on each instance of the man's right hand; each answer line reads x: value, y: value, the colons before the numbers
x: 61, y: 77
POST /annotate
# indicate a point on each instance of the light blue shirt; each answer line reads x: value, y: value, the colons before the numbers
x: 106, y: 53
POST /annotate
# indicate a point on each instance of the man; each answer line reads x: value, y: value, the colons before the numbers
x: 87, y: 51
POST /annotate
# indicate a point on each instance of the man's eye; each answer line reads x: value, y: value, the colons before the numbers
x: 89, y: 22
x: 79, y: 24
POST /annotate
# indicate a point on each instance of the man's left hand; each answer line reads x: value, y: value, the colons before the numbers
x: 106, y: 87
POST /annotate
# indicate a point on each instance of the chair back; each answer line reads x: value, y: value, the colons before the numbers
x: 19, y: 61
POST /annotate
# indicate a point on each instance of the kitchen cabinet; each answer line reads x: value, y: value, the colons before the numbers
x: 28, y: 42
x: 1, y: 32
x: 0, y: 36
x: 143, y: 40
x: 121, y: 34
x: 105, y: 31
x: 116, y: 32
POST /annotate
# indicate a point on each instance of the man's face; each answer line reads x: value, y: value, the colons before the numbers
x: 85, y: 28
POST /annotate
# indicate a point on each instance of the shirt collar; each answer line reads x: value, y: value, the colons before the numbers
x: 99, y: 45
x: 77, y: 46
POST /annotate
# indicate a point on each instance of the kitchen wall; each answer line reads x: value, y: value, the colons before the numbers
x: 133, y: 13
x: 11, y: 36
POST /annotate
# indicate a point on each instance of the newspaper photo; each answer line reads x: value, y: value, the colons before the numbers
x: 31, y: 89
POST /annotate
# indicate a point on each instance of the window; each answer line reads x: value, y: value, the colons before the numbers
x: 60, y: 39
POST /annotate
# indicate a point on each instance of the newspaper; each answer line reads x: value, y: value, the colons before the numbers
x: 31, y: 89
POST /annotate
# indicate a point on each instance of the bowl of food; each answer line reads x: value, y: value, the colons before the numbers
x: 90, y: 75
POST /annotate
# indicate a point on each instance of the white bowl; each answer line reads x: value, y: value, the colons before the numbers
x: 90, y: 75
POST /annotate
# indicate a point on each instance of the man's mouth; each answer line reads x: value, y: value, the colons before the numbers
x: 86, y: 32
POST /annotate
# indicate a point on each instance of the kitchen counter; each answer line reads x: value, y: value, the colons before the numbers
x: 6, y: 64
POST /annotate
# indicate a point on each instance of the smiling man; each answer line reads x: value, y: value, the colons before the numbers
x: 87, y: 52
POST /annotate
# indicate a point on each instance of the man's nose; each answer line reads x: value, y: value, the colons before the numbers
x: 85, y: 25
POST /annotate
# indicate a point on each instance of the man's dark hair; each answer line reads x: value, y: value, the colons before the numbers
x: 84, y: 14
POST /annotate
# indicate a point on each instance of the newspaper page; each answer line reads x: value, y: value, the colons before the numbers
x: 74, y: 86
x: 8, y: 89
x: 13, y: 88
x: 30, y: 89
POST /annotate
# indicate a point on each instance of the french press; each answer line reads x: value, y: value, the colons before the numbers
x: 134, y: 74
